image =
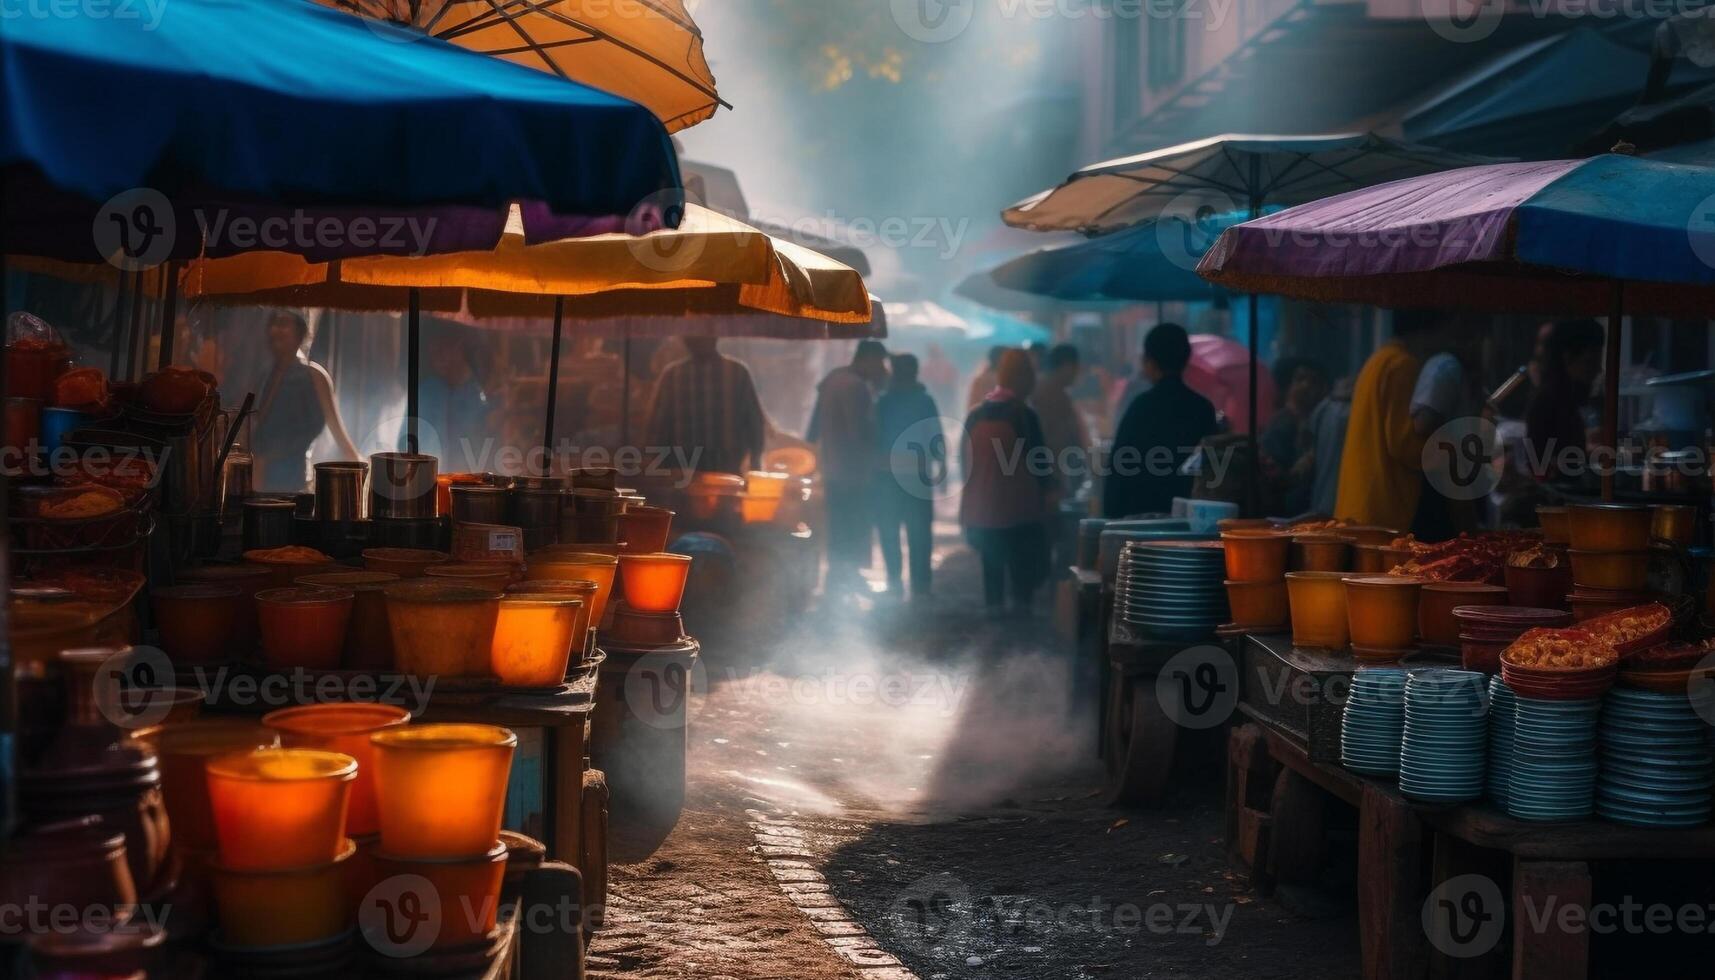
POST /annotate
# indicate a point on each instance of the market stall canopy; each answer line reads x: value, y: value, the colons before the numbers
x: 1666, y: 116
x: 258, y: 107
x: 710, y: 264
x: 980, y: 288
x: 1221, y: 174
x: 1154, y: 261
x: 648, y: 51
x: 1551, y: 237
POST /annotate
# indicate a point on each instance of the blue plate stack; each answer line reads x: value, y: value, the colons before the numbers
x: 1374, y: 721
x: 1656, y: 766
x: 1503, y: 709
x: 1441, y: 759
x: 1174, y: 592
x: 1554, y: 760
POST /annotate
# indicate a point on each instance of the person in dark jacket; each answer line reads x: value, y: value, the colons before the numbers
x: 1160, y: 430
x: 842, y: 426
x: 908, y: 426
x: 1004, y: 507
x: 1567, y: 365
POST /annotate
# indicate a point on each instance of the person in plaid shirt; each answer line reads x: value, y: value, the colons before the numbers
x: 706, y: 405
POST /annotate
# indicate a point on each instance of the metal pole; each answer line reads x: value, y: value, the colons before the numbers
x: 134, y: 332
x: 413, y: 321
x: 625, y: 390
x: 553, y: 386
x: 1611, y: 390
x: 121, y: 300
x: 169, y: 315
x: 1255, y: 495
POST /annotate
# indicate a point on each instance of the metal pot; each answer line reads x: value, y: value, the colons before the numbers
x: 340, y: 491
x: 402, y: 485
x: 478, y: 503
x: 267, y: 522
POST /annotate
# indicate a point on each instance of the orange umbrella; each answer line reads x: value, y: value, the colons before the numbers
x: 648, y: 51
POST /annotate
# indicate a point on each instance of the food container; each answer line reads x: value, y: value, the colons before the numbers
x: 758, y: 510
x: 1258, y: 605
x: 1589, y: 604
x: 635, y: 628
x: 1585, y: 684
x: 1382, y: 611
x: 493, y: 576
x: 182, y: 751
x: 1609, y: 527
x: 466, y: 889
x: 368, y: 640
x: 265, y: 909
x: 1318, y: 605
x: 1367, y: 534
x: 1544, y: 588
x: 1624, y: 570
x: 342, y: 728
x: 276, y: 809
x: 595, y: 478
x: 1256, y: 554
x: 441, y: 628
x: 289, y: 563
x: 654, y: 583
x: 403, y: 562
x: 534, y: 638
x: 202, y: 624
x: 1321, y: 553
x: 1436, y: 625
x: 1675, y: 524
x: 1371, y: 559
x: 251, y: 579
x: 582, y: 590
x: 304, y: 626
x: 442, y: 788
x: 402, y: 486
x: 75, y: 864
x: 1659, y: 619
x: 479, y: 543
x: 645, y: 529
x: 1556, y: 525
x: 561, y: 564
x: 340, y: 491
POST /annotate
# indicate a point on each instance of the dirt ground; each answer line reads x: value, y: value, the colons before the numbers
x: 910, y: 790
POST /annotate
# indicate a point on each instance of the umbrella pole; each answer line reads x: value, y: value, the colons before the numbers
x: 1255, y: 339
x: 553, y: 386
x: 413, y: 323
x: 625, y: 390
x: 1611, y: 390
x: 169, y: 315
x: 121, y: 301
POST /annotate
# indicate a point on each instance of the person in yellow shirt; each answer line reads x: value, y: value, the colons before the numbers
x: 1381, y: 469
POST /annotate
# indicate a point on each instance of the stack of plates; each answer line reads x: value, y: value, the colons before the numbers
x: 1172, y: 590
x: 1554, y: 760
x: 1446, y: 733
x: 1656, y: 768
x: 1503, y: 709
x: 1374, y: 722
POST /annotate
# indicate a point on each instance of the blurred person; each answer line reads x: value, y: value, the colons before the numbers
x: 1037, y: 351
x: 1568, y: 361
x: 1327, y: 430
x: 1004, y: 506
x: 940, y: 375
x: 909, y: 439
x: 1381, y: 465
x: 706, y: 405
x: 984, y: 380
x: 295, y: 404
x: 1162, y: 428
x: 454, y: 405
x: 1287, y: 444
x: 1063, y: 428
x: 843, y: 428
x: 1447, y: 390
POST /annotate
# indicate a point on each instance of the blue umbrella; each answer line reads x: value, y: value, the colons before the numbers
x: 284, y: 102
x: 1155, y: 261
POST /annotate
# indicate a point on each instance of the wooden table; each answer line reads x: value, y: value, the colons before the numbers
x: 1273, y: 824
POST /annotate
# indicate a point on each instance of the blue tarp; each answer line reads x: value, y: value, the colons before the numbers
x: 1623, y: 218
x: 287, y: 101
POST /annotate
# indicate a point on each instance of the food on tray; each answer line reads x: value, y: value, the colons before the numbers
x: 292, y: 554
x: 1537, y: 557
x: 1671, y: 656
x: 84, y: 389
x: 94, y: 502
x: 1306, y: 527
x: 1630, y: 625
x: 1564, y: 649
x: 175, y: 390
x: 1467, y: 558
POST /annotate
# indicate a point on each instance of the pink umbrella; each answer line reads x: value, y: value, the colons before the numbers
x: 1220, y: 371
